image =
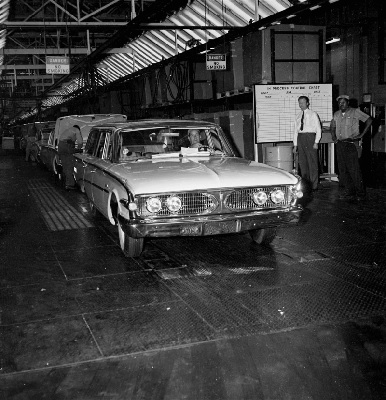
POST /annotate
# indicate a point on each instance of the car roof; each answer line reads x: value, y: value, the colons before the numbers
x: 159, y: 123
x: 90, y: 116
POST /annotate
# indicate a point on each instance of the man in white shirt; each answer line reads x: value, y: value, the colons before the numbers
x: 307, y: 134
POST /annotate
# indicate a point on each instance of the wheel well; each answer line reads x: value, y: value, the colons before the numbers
x: 113, y: 210
x: 56, y: 165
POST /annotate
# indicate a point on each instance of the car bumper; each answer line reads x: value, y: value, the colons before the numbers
x: 210, y: 225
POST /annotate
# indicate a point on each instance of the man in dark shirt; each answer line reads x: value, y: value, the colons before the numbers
x: 69, y: 140
x: 345, y: 134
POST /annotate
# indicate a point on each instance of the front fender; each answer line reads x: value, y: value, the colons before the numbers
x: 115, y: 206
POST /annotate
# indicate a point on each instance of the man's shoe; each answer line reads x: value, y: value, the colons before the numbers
x: 70, y: 187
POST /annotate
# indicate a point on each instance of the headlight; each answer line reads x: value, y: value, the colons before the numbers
x: 296, y: 190
x: 173, y: 203
x: 132, y: 206
x: 277, y: 196
x: 259, y: 198
x: 153, y: 204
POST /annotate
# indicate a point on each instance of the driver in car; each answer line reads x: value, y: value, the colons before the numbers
x: 194, y: 138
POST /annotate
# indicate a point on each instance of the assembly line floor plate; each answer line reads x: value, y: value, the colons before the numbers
x: 192, y: 318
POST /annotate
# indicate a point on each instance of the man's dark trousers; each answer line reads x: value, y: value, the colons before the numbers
x: 308, y: 158
x: 66, y: 149
x: 349, y: 169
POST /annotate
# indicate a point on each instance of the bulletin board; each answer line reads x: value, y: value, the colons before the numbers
x: 275, y: 108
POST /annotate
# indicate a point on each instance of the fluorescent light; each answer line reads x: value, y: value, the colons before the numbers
x: 291, y: 16
x: 314, y: 8
x: 206, y: 51
x: 332, y: 1
x: 333, y: 40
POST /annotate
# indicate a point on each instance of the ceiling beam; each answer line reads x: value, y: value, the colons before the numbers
x: 107, y: 6
x: 41, y: 84
x: 49, y: 51
x: 104, y: 25
x: 22, y: 66
x: 75, y: 50
x: 29, y: 77
x: 59, y: 24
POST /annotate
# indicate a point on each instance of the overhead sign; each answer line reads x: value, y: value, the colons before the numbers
x: 57, y: 65
x: 216, y: 61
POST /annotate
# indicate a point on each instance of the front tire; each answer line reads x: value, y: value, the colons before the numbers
x: 58, y: 172
x: 94, y: 211
x: 263, y: 236
x: 131, y: 247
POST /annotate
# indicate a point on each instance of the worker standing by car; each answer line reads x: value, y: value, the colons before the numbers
x: 69, y: 140
x: 30, y: 139
x: 345, y: 134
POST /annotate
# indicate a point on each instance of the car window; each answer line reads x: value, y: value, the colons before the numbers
x: 92, y: 142
x: 101, y: 144
x: 45, y: 134
x: 214, y: 141
x: 51, y: 138
x: 143, y: 143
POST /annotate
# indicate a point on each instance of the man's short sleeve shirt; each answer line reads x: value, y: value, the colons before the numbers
x: 71, y: 134
x: 347, y: 125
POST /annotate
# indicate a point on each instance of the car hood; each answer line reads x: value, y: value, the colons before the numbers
x: 196, y: 173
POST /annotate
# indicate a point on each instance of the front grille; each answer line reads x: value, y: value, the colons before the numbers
x: 192, y: 204
x: 242, y: 199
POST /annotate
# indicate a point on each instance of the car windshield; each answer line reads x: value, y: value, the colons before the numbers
x: 154, y: 142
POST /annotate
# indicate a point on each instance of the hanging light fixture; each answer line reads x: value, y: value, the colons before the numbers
x: 333, y: 40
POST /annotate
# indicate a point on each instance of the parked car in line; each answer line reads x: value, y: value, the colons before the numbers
x: 42, y: 137
x: 29, y: 133
x: 48, y: 153
x: 7, y: 141
x: 145, y: 179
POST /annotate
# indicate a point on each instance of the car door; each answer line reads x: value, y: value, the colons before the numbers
x: 85, y: 164
x: 47, y: 152
x: 101, y: 180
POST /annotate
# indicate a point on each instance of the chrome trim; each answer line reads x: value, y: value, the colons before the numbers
x: 217, y: 200
x: 210, y: 224
x: 193, y: 203
x: 242, y: 199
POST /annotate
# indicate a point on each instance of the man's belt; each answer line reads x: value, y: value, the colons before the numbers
x: 349, y: 140
x: 68, y: 141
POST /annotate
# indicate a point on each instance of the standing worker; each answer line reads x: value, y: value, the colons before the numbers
x: 30, y: 139
x: 69, y: 141
x: 307, y: 134
x: 345, y: 134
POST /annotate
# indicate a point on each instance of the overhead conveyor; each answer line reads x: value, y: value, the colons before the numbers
x: 166, y: 29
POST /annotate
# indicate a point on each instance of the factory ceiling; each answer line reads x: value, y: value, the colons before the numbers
x: 115, y: 37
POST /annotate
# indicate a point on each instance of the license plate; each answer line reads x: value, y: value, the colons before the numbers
x: 217, y: 228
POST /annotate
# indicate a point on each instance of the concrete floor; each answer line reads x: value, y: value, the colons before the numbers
x: 193, y: 318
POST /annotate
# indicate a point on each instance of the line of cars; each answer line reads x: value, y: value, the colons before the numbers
x: 144, y: 177
x: 48, y: 150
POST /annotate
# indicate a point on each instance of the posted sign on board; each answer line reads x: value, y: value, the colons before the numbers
x: 57, y: 65
x: 216, y: 61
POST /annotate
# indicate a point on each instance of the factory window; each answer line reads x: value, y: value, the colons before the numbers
x: 297, y: 57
